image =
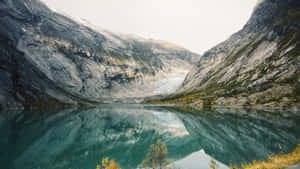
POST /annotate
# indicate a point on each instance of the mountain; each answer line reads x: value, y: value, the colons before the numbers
x: 49, y: 59
x: 258, y: 65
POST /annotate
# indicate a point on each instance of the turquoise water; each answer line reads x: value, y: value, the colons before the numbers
x: 79, y: 138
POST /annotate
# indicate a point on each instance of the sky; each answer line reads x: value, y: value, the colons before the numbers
x: 197, y: 25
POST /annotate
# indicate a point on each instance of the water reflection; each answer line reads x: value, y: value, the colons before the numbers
x: 79, y: 138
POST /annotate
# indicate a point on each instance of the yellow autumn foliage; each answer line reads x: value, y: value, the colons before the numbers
x: 274, y: 162
x: 108, y: 164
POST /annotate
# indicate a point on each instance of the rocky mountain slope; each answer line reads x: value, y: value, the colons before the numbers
x: 260, y: 64
x: 49, y: 59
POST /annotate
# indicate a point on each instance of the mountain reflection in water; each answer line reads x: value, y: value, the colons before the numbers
x: 79, y: 138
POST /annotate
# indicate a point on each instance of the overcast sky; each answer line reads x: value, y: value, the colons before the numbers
x: 197, y: 25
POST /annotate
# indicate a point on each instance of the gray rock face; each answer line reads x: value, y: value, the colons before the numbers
x: 294, y: 166
x: 260, y: 62
x: 49, y: 59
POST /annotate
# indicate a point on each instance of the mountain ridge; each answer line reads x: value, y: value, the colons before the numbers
x: 50, y: 59
x: 258, y: 65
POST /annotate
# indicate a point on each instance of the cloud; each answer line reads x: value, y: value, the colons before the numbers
x: 194, y: 24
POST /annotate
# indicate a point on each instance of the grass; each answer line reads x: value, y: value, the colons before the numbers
x: 207, y: 98
x: 275, y: 162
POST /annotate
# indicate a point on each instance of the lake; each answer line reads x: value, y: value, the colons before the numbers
x: 79, y: 138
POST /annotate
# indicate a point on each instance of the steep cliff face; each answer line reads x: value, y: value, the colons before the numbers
x: 48, y: 58
x: 260, y: 64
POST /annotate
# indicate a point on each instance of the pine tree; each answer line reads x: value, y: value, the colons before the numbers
x: 156, y: 156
